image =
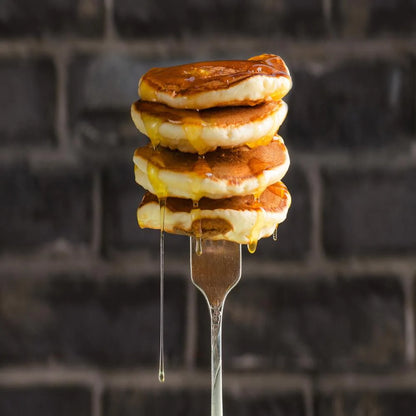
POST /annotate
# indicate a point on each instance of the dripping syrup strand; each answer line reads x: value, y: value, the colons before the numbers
x: 198, y: 237
x: 275, y: 234
x: 162, y: 205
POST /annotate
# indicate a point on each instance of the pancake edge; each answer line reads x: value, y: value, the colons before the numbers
x: 250, y: 91
x: 173, y: 136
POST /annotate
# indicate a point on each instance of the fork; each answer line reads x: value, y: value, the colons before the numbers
x: 215, y: 271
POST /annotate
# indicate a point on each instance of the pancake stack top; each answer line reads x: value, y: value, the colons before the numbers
x: 214, y: 163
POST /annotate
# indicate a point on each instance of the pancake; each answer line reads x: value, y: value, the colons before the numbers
x: 220, y: 174
x: 203, y: 131
x: 210, y: 84
x: 241, y: 219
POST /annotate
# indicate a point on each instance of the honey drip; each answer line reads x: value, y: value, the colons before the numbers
x: 255, y: 232
x: 198, y: 246
x: 162, y: 205
x: 260, y: 189
x: 159, y: 187
x: 275, y: 234
x: 193, y: 135
x: 152, y: 125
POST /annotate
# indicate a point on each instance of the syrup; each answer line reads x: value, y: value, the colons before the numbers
x: 159, y: 187
x: 194, y: 78
x: 162, y: 205
x: 152, y: 125
x: 255, y: 232
x: 275, y: 234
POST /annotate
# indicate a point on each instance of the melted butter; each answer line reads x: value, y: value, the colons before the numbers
x: 152, y: 125
x: 159, y: 187
x: 255, y: 232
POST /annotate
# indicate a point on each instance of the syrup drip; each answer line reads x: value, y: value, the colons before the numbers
x: 260, y: 189
x: 162, y: 205
x: 159, y: 187
x: 195, y: 216
x: 152, y: 125
x: 275, y: 234
x: 193, y: 135
x: 198, y: 246
x: 255, y: 232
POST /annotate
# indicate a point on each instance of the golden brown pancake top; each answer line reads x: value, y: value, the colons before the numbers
x: 232, y: 165
x: 221, y: 117
x: 194, y: 78
x: 275, y: 198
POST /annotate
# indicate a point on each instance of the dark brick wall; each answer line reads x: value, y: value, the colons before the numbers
x: 323, y: 321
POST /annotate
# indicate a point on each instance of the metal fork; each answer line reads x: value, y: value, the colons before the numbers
x: 215, y: 272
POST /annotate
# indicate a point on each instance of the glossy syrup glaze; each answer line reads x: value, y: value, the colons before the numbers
x: 194, y: 78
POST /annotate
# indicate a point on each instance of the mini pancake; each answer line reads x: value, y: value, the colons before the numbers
x: 203, y: 131
x: 220, y: 174
x: 241, y: 219
x: 217, y: 83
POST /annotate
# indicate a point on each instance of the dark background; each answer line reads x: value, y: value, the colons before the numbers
x: 322, y: 323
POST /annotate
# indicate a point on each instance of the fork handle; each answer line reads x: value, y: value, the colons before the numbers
x: 216, y: 360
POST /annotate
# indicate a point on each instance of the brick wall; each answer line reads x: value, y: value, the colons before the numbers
x: 322, y: 323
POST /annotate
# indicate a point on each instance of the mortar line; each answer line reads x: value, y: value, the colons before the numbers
x: 409, y: 319
x: 97, y: 214
x: 327, y: 12
x: 61, y: 116
x: 110, y: 33
x: 316, y: 253
x: 309, y: 395
x: 298, y: 50
x: 97, y: 395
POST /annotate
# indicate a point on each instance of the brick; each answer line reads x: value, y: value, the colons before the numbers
x: 101, y: 89
x: 339, y: 325
x: 42, y: 207
x: 357, y: 403
x: 45, y: 401
x: 275, y: 404
x: 160, y: 402
x: 27, y: 101
x: 353, y: 105
x: 74, y: 319
x: 51, y: 17
x: 292, y: 18
x: 122, y: 233
x: 397, y: 17
x: 192, y: 402
x: 369, y: 212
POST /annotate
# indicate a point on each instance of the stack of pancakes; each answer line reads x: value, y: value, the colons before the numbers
x: 214, y: 163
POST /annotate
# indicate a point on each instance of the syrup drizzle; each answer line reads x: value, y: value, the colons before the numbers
x: 152, y: 125
x: 275, y: 234
x: 162, y: 205
x: 255, y: 232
